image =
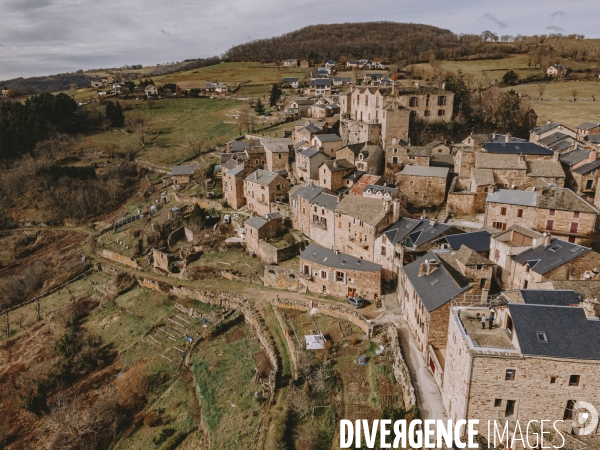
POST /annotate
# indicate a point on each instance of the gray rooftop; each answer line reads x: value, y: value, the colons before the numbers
x: 418, y: 231
x: 542, y: 168
x: 281, y: 145
x: 547, y: 127
x: 307, y: 192
x: 478, y: 241
x: 587, y: 167
x: 331, y: 258
x: 519, y: 148
x: 588, y: 126
x: 263, y: 177
x: 544, y: 258
x: 512, y: 197
x: 569, y: 334
x: 328, y: 137
x: 425, y: 171
x: 325, y: 200
x: 368, y: 210
x: 374, y: 188
x: 256, y: 222
x: 574, y: 156
x: 554, y: 297
x: 437, y: 288
x: 310, y: 152
x: 483, y: 177
x: 183, y: 170
x: 499, y: 161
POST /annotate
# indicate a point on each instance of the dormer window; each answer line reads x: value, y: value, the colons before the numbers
x: 541, y: 336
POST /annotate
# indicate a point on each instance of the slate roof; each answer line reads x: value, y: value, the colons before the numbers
x: 563, y: 199
x: 309, y: 152
x: 541, y: 168
x: 183, y: 170
x: 588, y: 126
x: 327, y: 201
x: 256, y: 222
x: 368, y: 210
x: 419, y: 231
x: 519, y: 148
x: 376, y: 188
x: 437, y: 288
x: 291, y: 80
x: 421, y: 151
x: 239, y: 146
x: 499, y: 161
x: 587, y: 288
x: 478, y: 241
x: 593, y: 138
x: 312, y: 128
x: 520, y: 229
x: 262, y: 177
x: 300, y: 144
x: 569, y: 333
x: 328, y: 137
x: 442, y: 160
x: 236, y: 170
x: 544, y: 258
x: 469, y: 257
x: 364, y: 181
x: 547, y: 127
x: 587, y: 167
x: 230, y: 164
x: 320, y: 82
x: 495, y: 137
x: 425, y: 171
x: 281, y: 145
x: 483, y: 177
x: 553, y: 297
x: 325, y: 257
x: 512, y: 197
x: 574, y: 156
x: 562, y: 145
x: 306, y: 192
x: 337, y: 165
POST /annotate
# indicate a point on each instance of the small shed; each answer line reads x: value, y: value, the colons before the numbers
x: 315, y: 341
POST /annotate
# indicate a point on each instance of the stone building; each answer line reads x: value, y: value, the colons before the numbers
x: 308, y: 161
x: 424, y: 186
x: 530, y: 366
x: 233, y: 185
x: 327, y: 143
x: 573, y: 160
x: 312, y: 213
x: 339, y: 274
x: 363, y: 182
x: 427, y: 103
x: 261, y: 188
x: 255, y: 157
x: 277, y: 153
x: 548, y: 209
x: 332, y: 174
x: 305, y: 131
x: 430, y: 285
x: 359, y: 220
x: 260, y: 228
x: 543, y: 131
x: 366, y: 157
x: 530, y: 150
x: 584, y: 180
x: 406, y: 240
x: 182, y: 174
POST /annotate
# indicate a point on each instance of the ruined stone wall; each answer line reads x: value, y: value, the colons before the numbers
x: 253, y: 319
x: 283, y: 278
x: 290, y: 339
x: 423, y: 191
x: 117, y: 257
x: 270, y: 254
x: 400, y: 369
x: 462, y: 203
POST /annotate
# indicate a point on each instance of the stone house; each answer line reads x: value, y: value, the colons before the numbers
x: 584, y: 180
x: 393, y: 151
x: 572, y: 160
x: 182, y: 174
x: 424, y: 186
x: 372, y: 114
x: 312, y: 212
x: 233, y: 185
x: 304, y: 131
x: 549, y: 171
x: 327, y: 143
x: 529, y: 366
x: 427, y: 289
x: 304, y: 63
x: 427, y: 103
x: 556, y: 71
x: 291, y: 82
x: 363, y: 182
x: 503, y: 246
x: 255, y: 157
x: 259, y: 228
x: 439, y: 147
x: 161, y: 259
x: 543, y: 131
x: 359, y: 220
x: 553, y: 260
x: 414, y: 154
x: 548, y: 209
x: 507, y: 170
x: 332, y: 174
x: 587, y: 128
x: 338, y: 274
x: 404, y: 241
x: 261, y: 188
x: 299, y: 107
x: 366, y: 157
x: 277, y: 153
x: 308, y: 161
x: 529, y: 150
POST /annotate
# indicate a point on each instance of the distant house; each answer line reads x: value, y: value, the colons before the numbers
x: 290, y: 63
x: 117, y: 88
x: 586, y: 129
x: 328, y: 143
x: 304, y: 63
x: 543, y: 131
x: 151, y: 91
x: 320, y: 87
x: 308, y: 161
x: 340, y: 81
x: 182, y: 174
x: 366, y: 157
x: 375, y: 65
x: 221, y: 88
x: 293, y: 83
x: 95, y: 84
x: 233, y: 185
x: 330, y: 63
x: 352, y: 64
x: 556, y: 71
x: 332, y: 174
x: 425, y: 186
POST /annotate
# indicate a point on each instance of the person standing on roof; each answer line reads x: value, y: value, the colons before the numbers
x: 483, y: 321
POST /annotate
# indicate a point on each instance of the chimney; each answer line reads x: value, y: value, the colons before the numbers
x: 494, y: 136
x: 588, y: 307
x: 507, y: 138
x: 431, y: 266
x: 547, y: 239
x: 549, y: 122
x: 335, y: 163
x: 423, y: 268
x: 337, y: 252
x: 555, y: 156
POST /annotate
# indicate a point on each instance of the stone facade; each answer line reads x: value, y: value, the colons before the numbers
x: 423, y: 190
x: 233, y: 186
x: 308, y: 162
x: 332, y: 173
x: 261, y: 188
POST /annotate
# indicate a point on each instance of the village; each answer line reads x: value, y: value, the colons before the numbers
x: 327, y: 252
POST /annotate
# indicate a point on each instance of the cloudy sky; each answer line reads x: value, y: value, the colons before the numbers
x: 40, y: 37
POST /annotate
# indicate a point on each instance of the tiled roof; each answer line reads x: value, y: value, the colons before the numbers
x: 483, y: 177
x: 544, y: 258
x: 425, y: 171
x: 331, y: 258
x: 364, y: 181
x: 262, y: 177
x: 499, y: 161
x: 522, y: 148
x: 541, y: 168
x: 368, y: 210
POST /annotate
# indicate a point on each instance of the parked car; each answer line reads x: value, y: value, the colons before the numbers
x: 357, y: 302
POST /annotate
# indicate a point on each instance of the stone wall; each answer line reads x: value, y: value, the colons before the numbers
x: 290, y: 340
x: 401, y: 372
x: 122, y: 259
x: 282, y: 208
x: 283, y: 278
x: 253, y: 319
x: 270, y: 254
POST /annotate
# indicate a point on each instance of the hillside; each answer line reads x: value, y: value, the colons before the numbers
x: 385, y: 40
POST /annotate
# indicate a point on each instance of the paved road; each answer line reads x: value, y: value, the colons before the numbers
x: 428, y: 395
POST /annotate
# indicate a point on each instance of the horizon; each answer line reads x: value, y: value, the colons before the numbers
x: 47, y: 37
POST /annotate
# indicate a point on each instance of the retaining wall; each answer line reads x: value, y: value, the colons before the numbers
x: 400, y: 369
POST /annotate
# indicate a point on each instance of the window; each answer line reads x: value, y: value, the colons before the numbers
x: 394, y: 160
x: 323, y: 274
x: 503, y: 211
x: 574, y: 226
x: 395, y: 150
x: 574, y: 380
x: 549, y: 225
x: 442, y: 100
x: 576, y: 215
x: 541, y: 335
x: 510, y: 408
x: 552, y: 380
x: 519, y: 213
x: 339, y: 224
x: 441, y: 112
x: 497, y: 403
x: 551, y: 212
x: 427, y: 113
x: 383, y: 250
x: 414, y: 101
x: 340, y: 276
x: 510, y: 375
x: 568, y: 415
x: 589, y: 184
